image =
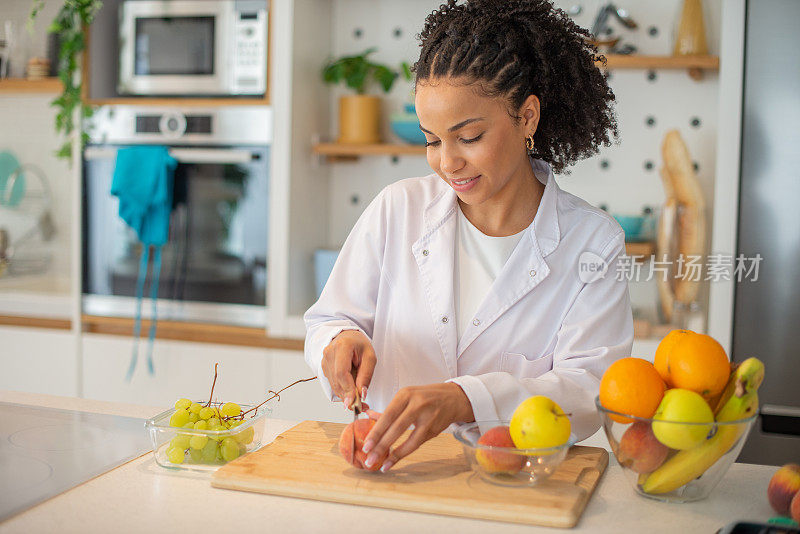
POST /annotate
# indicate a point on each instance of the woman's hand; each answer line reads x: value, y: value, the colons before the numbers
x: 350, y: 350
x: 429, y: 408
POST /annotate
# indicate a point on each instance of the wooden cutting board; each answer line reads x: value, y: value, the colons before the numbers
x: 304, y: 462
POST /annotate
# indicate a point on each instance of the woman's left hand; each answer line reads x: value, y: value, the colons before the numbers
x: 431, y: 409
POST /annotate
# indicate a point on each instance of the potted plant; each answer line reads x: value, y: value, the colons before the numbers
x: 359, y: 114
x: 69, y: 24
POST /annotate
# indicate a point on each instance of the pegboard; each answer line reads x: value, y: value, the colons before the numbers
x: 623, y: 177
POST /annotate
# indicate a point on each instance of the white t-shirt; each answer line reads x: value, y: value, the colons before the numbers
x: 479, y: 259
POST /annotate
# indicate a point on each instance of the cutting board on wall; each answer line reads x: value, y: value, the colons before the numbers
x: 304, y: 462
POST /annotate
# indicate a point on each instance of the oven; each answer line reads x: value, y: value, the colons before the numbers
x: 179, y: 47
x: 214, y: 264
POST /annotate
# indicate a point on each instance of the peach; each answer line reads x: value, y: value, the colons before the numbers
x: 361, y: 427
x: 640, y: 450
x: 498, y: 461
x: 783, y: 486
x: 794, y: 507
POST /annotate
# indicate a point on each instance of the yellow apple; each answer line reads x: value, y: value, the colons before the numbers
x: 682, y: 406
x: 538, y: 422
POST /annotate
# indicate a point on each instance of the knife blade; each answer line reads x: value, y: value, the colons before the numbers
x: 356, y: 407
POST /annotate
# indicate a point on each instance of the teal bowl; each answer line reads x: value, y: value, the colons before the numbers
x: 406, y: 126
x: 408, y: 130
x: 631, y: 225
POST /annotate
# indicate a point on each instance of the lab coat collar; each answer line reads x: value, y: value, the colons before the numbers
x: 545, y: 227
x: 523, y: 271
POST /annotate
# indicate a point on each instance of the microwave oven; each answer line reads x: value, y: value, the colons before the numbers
x: 197, y: 47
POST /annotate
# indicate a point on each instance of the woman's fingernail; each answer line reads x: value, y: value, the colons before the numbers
x: 363, y: 392
x: 386, y: 466
x: 371, y: 459
x: 368, y: 446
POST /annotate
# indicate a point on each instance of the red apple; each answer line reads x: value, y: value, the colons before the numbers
x: 783, y: 486
x: 498, y: 461
x: 640, y: 450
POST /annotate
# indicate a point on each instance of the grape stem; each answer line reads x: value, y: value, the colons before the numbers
x: 208, y: 404
x: 277, y: 393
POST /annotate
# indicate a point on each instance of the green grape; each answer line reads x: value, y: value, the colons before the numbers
x: 235, y: 422
x: 195, y: 407
x: 179, y: 418
x: 176, y: 456
x: 196, y: 456
x: 218, y: 428
x: 214, y: 421
x: 245, y: 436
x: 230, y: 409
x: 206, y: 413
x: 181, y: 441
x: 182, y: 404
x: 210, y: 451
x: 198, y: 442
x: 193, y: 417
x: 189, y: 425
x: 229, y: 449
x: 201, y: 425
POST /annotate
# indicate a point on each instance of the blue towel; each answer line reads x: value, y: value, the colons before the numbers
x: 143, y: 180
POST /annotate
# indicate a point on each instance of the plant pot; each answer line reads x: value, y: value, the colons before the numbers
x: 359, y: 119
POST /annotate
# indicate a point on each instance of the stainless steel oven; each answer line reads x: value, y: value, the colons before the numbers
x: 214, y: 265
x: 198, y: 47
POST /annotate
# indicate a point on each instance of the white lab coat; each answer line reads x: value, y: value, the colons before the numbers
x: 539, y: 331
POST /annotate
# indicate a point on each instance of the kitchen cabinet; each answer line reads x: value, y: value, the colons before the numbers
x: 38, y: 360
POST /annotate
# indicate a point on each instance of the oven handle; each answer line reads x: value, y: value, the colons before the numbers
x: 183, y: 155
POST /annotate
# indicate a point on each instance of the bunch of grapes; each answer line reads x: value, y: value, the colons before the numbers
x: 225, y: 445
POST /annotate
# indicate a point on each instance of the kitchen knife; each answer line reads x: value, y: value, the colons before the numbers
x: 356, y: 407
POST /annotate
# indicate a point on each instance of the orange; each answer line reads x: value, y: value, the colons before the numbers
x: 631, y: 386
x: 698, y: 363
x: 663, y: 350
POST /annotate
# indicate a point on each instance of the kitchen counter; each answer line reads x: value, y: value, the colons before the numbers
x: 140, y: 496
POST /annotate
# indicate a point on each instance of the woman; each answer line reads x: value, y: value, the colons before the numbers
x: 459, y: 294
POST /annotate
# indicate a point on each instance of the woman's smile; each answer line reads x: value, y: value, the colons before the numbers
x: 465, y: 184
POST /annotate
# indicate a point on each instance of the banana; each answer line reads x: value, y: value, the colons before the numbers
x: 741, y: 402
x: 745, y: 378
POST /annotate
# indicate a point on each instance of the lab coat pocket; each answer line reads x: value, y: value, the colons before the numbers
x: 520, y: 366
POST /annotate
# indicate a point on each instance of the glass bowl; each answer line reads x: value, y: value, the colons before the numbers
x: 508, y: 466
x: 664, y: 474
x: 162, y: 436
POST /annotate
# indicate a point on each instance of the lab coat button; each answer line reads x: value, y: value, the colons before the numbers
x: 425, y: 252
x: 476, y: 322
x: 445, y: 319
x: 533, y: 272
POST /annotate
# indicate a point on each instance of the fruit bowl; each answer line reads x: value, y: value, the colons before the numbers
x: 666, y: 474
x: 508, y: 466
x: 245, y: 438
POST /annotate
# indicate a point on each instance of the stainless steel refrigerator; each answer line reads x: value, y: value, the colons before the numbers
x: 767, y: 311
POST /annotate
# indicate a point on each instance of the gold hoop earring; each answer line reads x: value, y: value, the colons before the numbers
x: 529, y: 143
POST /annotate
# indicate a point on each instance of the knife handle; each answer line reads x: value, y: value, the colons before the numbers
x: 356, y: 405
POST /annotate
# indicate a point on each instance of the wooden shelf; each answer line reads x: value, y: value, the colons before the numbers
x: 348, y: 152
x: 25, y: 86
x: 645, y: 249
x: 635, y: 61
x: 178, y: 101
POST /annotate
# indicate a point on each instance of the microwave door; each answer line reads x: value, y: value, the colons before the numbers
x: 174, y: 47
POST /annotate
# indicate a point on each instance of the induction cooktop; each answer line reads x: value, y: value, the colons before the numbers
x: 45, y: 451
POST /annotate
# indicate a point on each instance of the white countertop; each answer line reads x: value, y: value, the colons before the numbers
x: 140, y: 496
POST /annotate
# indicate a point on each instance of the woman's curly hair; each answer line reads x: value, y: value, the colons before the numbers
x: 515, y: 48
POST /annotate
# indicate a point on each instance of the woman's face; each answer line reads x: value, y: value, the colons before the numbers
x: 473, y: 143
